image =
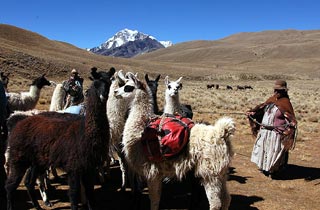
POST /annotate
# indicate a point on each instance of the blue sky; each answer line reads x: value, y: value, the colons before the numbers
x: 87, y: 24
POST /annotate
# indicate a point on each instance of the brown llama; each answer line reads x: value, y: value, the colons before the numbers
x: 77, y: 145
x: 3, y: 139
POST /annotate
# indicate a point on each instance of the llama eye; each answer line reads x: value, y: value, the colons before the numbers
x: 169, y: 87
x: 128, y: 88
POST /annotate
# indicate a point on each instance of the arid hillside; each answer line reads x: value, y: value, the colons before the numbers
x: 290, y: 53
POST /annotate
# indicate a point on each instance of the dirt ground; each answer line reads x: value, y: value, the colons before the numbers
x: 298, y: 188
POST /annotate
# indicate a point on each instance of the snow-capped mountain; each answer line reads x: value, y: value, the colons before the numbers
x: 129, y: 43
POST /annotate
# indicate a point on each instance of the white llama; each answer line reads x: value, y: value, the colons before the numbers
x: 173, y: 105
x: 117, y: 109
x: 57, y: 99
x: 27, y: 100
x: 208, y: 153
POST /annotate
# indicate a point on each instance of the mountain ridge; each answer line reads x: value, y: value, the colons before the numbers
x: 295, y: 54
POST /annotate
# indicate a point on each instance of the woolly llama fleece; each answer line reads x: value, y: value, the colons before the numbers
x: 208, y: 153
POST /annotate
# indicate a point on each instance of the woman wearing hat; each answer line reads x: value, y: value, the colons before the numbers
x: 274, y: 125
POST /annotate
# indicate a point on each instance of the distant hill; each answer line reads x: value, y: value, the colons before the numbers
x: 287, y: 53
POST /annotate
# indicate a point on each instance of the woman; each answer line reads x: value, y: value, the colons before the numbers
x: 274, y: 124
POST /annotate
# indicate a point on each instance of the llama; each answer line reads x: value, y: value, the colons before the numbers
x: 117, y: 110
x: 153, y: 85
x: 77, y: 145
x: 57, y: 99
x: 173, y: 105
x: 3, y: 139
x: 117, y: 114
x: 208, y: 153
x: 27, y: 100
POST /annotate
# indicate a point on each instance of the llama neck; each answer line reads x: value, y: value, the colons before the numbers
x: 155, y: 103
x: 172, y: 104
x: 96, y: 120
x: 34, y: 92
x: 140, y: 113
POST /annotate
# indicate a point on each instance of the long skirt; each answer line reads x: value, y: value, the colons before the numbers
x: 268, y: 152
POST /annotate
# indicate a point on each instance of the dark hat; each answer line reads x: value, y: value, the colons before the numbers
x: 280, y: 85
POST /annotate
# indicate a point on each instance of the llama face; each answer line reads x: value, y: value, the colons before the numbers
x: 40, y: 82
x: 153, y: 84
x: 173, y: 87
x: 127, y: 90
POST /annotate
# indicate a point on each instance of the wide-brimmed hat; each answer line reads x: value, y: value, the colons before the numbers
x: 74, y: 71
x: 280, y: 85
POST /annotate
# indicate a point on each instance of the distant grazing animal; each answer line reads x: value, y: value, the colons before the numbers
x: 172, y: 99
x: 210, y: 86
x: 217, y: 86
x: 208, y: 152
x: 248, y: 87
x: 229, y: 87
x: 153, y: 85
x: 77, y: 145
x: 27, y: 100
x: 240, y: 87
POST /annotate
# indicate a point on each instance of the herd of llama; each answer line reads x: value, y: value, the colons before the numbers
x: 115, y: 126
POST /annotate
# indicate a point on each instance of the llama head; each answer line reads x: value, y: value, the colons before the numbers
x: 173, y: 87
x: 153, y: 84
x: 41, y: 81
x: 102, y: 83
x: 101, y: 74
x: 131, y: 84
x: 5, y: 79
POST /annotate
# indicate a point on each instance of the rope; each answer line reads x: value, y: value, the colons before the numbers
x: 220, y: 113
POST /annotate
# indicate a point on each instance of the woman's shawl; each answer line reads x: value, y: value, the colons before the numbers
x: 285, y: 106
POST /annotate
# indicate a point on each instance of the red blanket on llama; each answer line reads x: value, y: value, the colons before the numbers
x: 166, y: 136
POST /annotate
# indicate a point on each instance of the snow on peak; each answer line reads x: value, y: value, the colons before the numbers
x: 126, y: 35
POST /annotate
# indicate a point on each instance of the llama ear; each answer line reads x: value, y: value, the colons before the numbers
x: 166, y: 80
x: 112, y: 70
x: 158, y: 77
x: 94, y: 69
x: 121, y: 75
x: 146, y: 77
x: 179, y: 80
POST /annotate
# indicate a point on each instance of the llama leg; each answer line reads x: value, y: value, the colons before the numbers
x: 3, y: 177
x: 155, y: 187
x: 30, y: 182
x: 14, y: 178
x: 42, y: 182
x: 218, y: 196
x: 74, y: 186
x: 87, y: 181
x: 123, y: 167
